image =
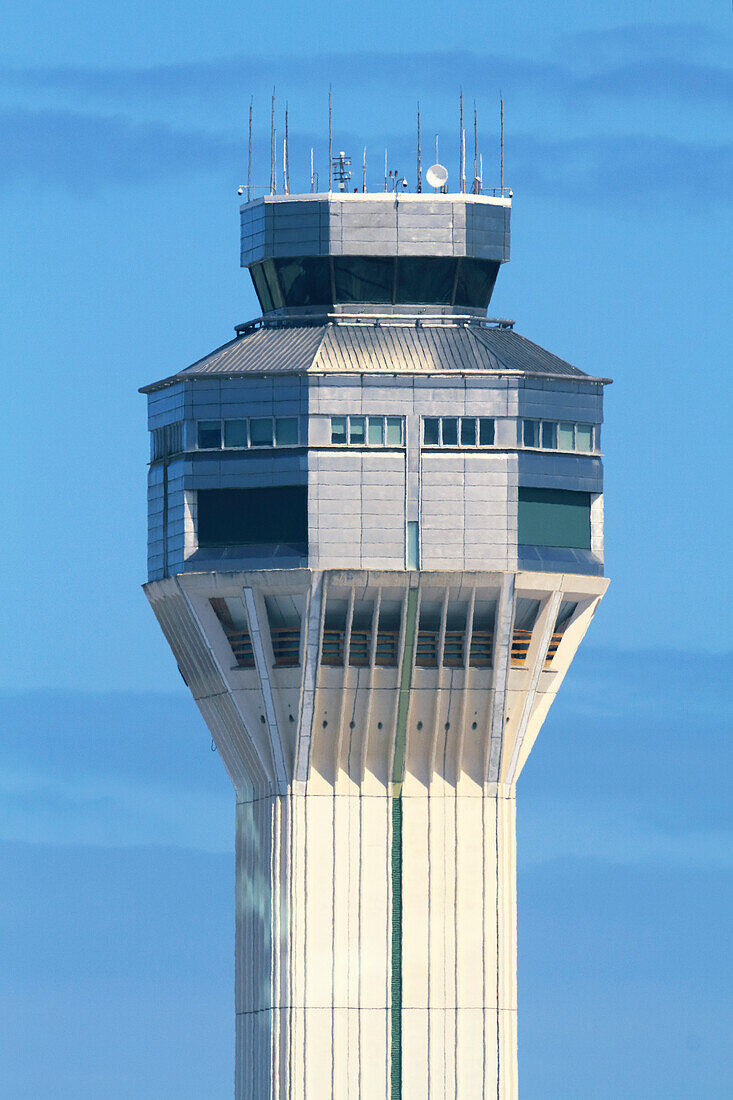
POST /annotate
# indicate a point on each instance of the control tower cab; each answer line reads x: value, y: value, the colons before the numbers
x: 375, y: 543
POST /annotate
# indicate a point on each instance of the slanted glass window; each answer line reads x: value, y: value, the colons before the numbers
x: 261, y: 288
x: 531, y: 433
x: 475, y: 284
x: 260, y: 431
x: 450, y: 431
x: 356, y: 430
x: 235, y: 433
x: 549, y: 434
x: 338, y: 429
x: 375, y: 431
x: 486, y: 431
x: 431, y: 431
x: 394, y: 431
x: 305, y: 280
x: 209, y: 434
x: 566, y: 437
x: 363, y: 278
x: 286, y: 431
x: 584, y: 437
x: 468, y: 431
x: 268, y: 270
x: 425, y: 279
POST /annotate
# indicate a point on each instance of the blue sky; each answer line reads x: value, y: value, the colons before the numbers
x: 122, y: 143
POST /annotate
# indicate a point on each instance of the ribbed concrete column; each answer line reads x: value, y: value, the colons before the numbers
x: 315, y: 936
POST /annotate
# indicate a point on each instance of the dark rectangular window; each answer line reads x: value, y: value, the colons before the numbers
x: 431, y: 431
x: 476, y: 280
x: 363, y: 278
x: 425, y: 279
x: 209, y: 434
x: 554, y: 517
x: 468, y: 431
x: 286, y: 431
x: 305, y: 280
x: 549, y: 434
x: 253, y: 517
x: 450, y: 431
x: 235, y: 433
x: 531, y: 433
x: 260, y: 431
x: 486, y: 431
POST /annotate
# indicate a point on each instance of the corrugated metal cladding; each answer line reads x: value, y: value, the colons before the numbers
x: 388, y: 347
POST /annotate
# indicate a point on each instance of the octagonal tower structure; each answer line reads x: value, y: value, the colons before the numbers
x: 375, y: 544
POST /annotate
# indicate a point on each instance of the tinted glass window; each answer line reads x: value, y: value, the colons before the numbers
x: 375, y: 434
x: 250, y: 517
x: 425, y: 279
x: 268, y: 270
x: 338, y: 429
x: 566, y: 437
x: 475, y: 285
x: 554, y: 517
x: 356, y: 429
x: 305, y: 280
x: 450, y: 431
x: 531, y: 433
x: 584, y: 437
x: 260, y: 431
x: 209, y: 433
x: 286, y: 431
x: 549, y: 434
x: 261, y: 288
x: 468, y: 432
x: 363, y: 278
x: 394, y: 431
x: 486, y: 431
x: 235, y: 433
x: 431, y: 429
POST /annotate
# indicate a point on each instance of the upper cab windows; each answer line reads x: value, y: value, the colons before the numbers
x: 558, y: 435
x: 305, y: 281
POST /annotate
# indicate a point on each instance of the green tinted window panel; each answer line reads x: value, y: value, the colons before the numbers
x: 554, y: 517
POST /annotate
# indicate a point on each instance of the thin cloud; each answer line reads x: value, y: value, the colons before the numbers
x: 624, y: 77
x: 83, y: 151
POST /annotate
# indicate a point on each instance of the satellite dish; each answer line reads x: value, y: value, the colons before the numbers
x: 436, y: 176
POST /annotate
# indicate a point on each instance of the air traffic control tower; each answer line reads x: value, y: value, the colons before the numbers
x: 375, y: 544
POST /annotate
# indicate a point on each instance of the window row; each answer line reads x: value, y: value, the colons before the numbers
x: 455, y: 431
x: 558, y: 435
x: 253, y: 431
x: 370, y: 431
x: 299, y: 281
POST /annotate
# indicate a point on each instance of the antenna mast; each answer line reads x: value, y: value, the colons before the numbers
x: 313, y: 178
x: 385, y: 169
x: 286, y: 156
x: 273, y: 180
x: 501, y: 100
x: 330, y: 141
x: 476, y: 179
x: 462, y: 150
x: 419, y: 153
x: 363, y: 170
x: 249, y: 153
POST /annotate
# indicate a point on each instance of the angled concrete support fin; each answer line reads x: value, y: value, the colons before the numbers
x: 263, y: 671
